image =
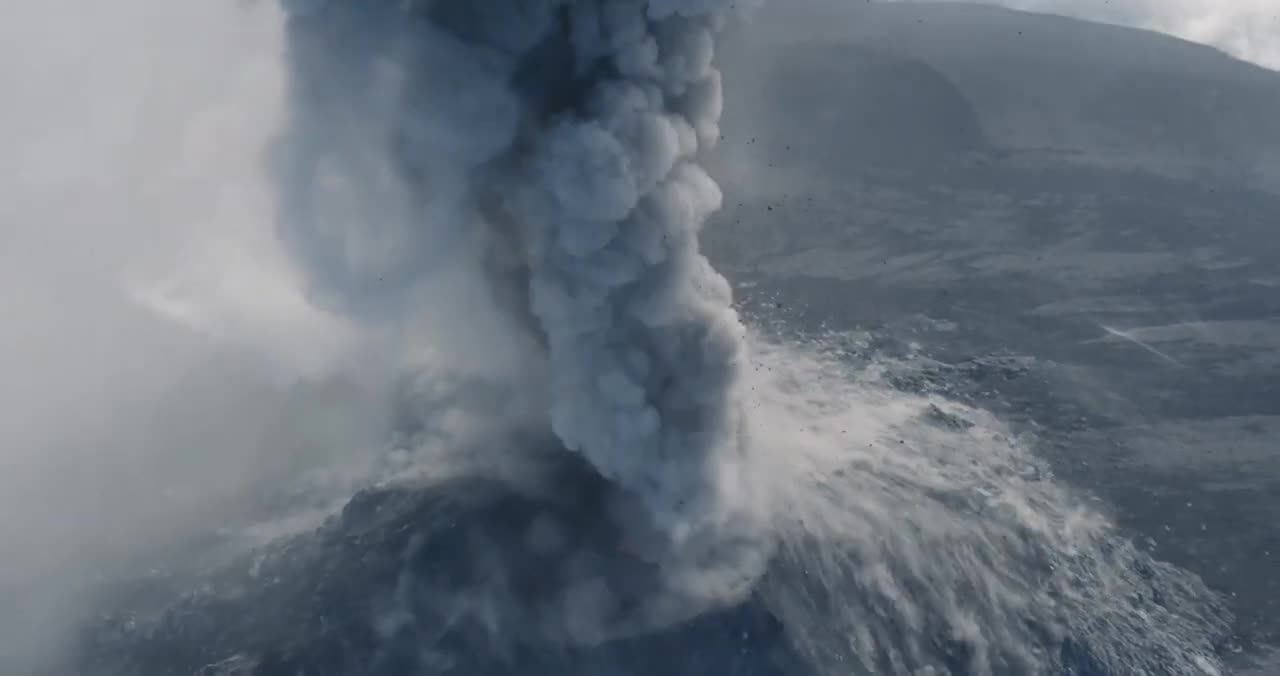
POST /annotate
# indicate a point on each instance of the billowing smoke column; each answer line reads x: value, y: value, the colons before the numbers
x: 521, y: 174
x: 550, y: 144
x: 643, y: 343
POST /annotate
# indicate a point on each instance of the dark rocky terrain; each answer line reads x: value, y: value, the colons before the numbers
x: 1068, y: 223
x: 1064, y: 199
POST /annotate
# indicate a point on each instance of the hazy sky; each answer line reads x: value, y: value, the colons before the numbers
x: 1248, y: 29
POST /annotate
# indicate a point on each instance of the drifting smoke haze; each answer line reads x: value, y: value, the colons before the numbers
x: 484, y: 215
x: 158, y: 357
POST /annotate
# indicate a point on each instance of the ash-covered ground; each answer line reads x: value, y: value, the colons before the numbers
x: 1120, y: 315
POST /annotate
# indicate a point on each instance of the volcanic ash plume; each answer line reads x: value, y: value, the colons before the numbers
x: 643, y: 344
x: 550, y: 144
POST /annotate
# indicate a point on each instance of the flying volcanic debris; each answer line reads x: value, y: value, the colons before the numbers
x: 550, y: 144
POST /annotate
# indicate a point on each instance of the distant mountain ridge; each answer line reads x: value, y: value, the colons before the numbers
x: 979, y: 76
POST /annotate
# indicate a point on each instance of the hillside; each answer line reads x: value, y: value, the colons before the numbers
x: 1077, y: 215
x: 1038, y: 88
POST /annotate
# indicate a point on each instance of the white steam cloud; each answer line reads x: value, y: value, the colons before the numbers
x: 156, y: 353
